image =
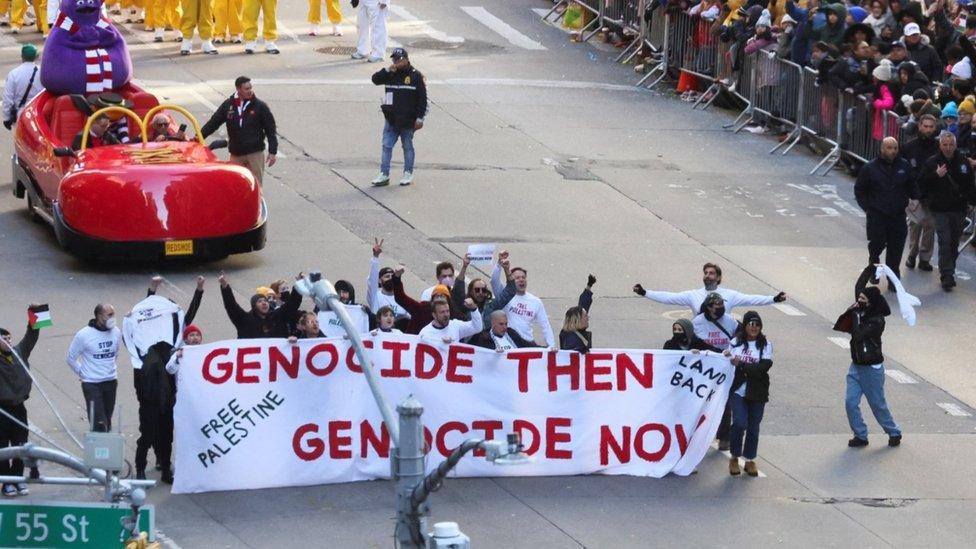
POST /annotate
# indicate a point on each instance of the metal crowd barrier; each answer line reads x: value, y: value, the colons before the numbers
x: 773, y: 88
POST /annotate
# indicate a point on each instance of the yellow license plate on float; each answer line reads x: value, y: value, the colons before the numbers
x: 179, y: 247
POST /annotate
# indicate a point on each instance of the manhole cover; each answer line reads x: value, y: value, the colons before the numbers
x: 337, y: 50
x: 430, y: 44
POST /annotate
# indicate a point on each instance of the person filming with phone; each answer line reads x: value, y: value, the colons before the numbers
x: 160, y: 130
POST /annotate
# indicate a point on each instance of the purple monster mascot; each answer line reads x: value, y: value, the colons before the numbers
x: 84, y: 54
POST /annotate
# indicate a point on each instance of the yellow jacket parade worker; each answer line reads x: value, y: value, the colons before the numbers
x: 163, y: 15
x: 197, y: 15
x: 19, y: 9
x: 315, y: 16
x: 252, y: 9
x: 227, y: 21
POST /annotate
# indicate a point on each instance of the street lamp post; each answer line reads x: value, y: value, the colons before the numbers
x: 407, y: 461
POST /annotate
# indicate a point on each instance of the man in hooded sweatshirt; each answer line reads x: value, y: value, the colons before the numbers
x: 833, y: 31
x: 864, y: 321
x: 15, y: 386
x: 91, y: 356
x: 260, y: 321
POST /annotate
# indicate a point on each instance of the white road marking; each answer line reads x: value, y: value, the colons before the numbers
x: 507, y: 32
x: 481, y: 82
x: 953, y: 409
x: 422, y: 26
x: 841, y: 342
x: 203, y: 100
x: 900, y: 376
x: 287, y: 32
x: 788, y: 310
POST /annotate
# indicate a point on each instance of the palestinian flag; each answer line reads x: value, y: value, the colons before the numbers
x: 39, y: 317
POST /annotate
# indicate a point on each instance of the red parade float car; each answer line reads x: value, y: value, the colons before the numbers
x: 141, y: 200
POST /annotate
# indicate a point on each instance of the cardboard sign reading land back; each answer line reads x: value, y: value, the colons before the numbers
x: 265, y: 413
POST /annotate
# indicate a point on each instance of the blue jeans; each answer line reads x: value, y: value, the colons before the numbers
x: 746, y: 417
x: 868, y: 381
x: 390, y: 135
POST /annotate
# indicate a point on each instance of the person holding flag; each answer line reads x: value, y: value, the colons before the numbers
x: 15, y: 386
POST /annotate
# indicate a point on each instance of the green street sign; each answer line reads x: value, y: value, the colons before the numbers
x: 56, y: 525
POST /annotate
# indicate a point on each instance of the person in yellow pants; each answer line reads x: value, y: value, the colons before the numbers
x: 113, y: 7
x: 4, y: 13
x: 227, y: 21
x: 163, y: 15
x: 134, y: 7
x: 253, y: 8
x: 197, y: 15
x: 19, y: 8
x: 315, y: 16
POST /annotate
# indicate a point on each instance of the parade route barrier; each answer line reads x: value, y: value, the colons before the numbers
x: 265, y: 413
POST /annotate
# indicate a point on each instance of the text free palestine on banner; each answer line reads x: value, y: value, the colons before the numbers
x: 607, y: 411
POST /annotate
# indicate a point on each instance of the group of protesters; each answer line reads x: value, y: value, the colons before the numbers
x: 497, y: 313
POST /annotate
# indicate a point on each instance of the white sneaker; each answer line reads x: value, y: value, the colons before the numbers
x: 186, y: 48
x: 9, y: 490
x: 22, y: 489
x: 237, y: 39
x: 336, y: 30
x: 374, y: 59
x: 209, y: 48
x: 158, y: 36
x: 381, y: 180
x: 14, y: 30
x: 406, y: 179
x: 249, y: 47
x: 313, y: 30
x: 271, y: 48
x: 358, y: 55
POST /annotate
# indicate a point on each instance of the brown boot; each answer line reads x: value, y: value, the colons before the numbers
x: 734, y: 466
x: 751, y: 469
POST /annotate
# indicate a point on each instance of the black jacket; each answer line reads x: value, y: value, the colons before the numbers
x: 15, y: 383
x: 580, y: 342
x: 405, y: 100
x: 674, y: 344
x: 917, y: 151
x: 107, y: 139
x: 755, y: 376
x: 865, y: 325
x: 248, y: 136
x: 249, y: 325
x: 884, y: 187
x: 484, y: 340
x: 927, y: 59
x: 952, y: 192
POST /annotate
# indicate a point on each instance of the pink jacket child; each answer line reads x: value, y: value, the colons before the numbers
x: 883, y: 100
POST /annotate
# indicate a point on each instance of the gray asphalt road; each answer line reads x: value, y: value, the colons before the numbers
x: 552, y: 155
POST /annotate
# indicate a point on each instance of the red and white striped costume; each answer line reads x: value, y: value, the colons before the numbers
x: 98, y: 64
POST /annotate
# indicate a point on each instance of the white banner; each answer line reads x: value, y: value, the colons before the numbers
x: 330, y: 326
x: 263, y: 413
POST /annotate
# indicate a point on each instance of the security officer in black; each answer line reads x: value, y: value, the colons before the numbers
x: 948, y: 187
x: 404, y: 107
x: 884, y: 187
x: 921, y: 228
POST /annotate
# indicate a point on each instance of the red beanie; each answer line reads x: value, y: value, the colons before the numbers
x: 191, y: 328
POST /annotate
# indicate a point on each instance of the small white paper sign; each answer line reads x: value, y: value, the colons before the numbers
x: 481, y: 254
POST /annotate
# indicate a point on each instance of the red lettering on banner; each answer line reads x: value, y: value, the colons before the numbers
x: 554, y: 437
x: 322, y: 348
x: 639, y: 442
x: 278, y: 359
x: 571, y: 369
x: 679, y: 433
x: 242, y: 365
x: 442, y: 434
x: 368, y: 438
x: 523, y: 358
x: 339, y: 445
x: 396, y: 369
x: 225, y: 369
x: 592, y: 369
x: 351, y: 363
x: 489, y: 427
x: 315, y: 444
x: 424, y: 352
x: 521, y: 426
x: 428, y: 441
x: 644, y: 377
x: 454, y: 361
x: 608, y: 442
